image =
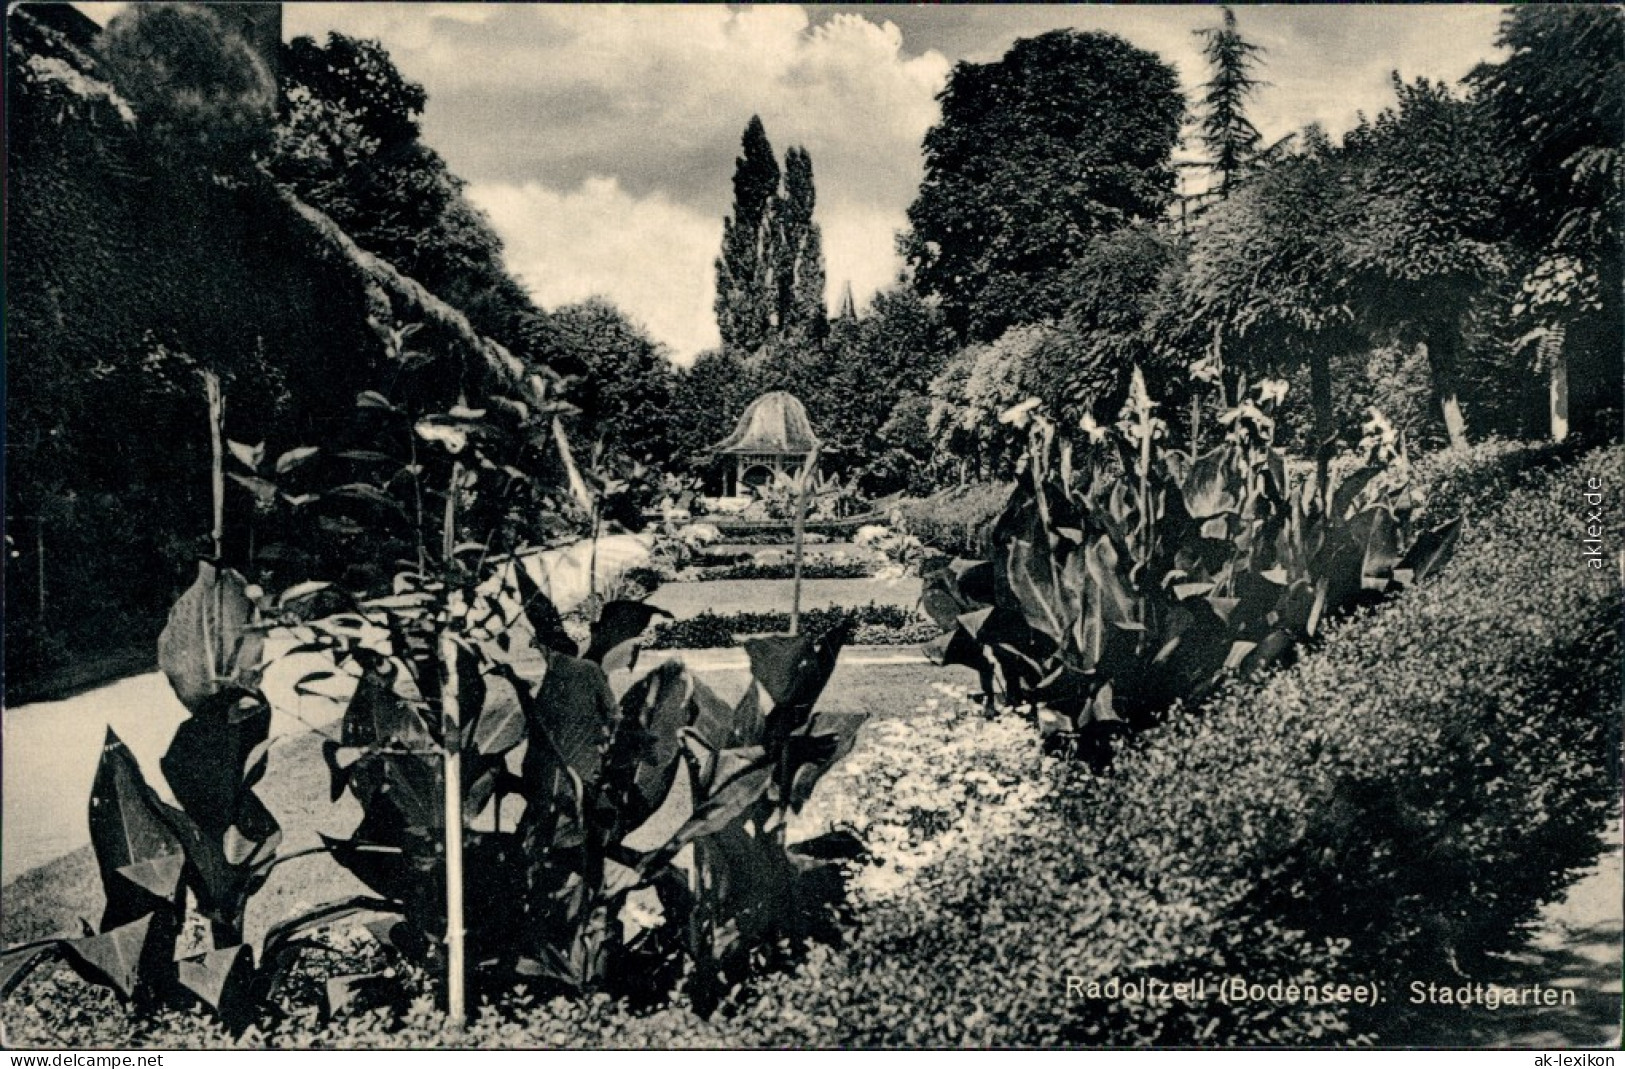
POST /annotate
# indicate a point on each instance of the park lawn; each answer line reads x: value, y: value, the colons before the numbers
x: 685, y: 600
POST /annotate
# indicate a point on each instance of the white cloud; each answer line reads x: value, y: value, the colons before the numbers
x: 653, y: 258
x: 601, y: 137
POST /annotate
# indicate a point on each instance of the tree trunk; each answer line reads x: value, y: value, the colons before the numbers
x: 1443, y: 349
x: 1320, y: 392
x: 217, y: 423
x: 1557, y: 358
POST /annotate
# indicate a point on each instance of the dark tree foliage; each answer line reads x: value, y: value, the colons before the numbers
x: 1557, y: 107
x: 624, y: 378
x: 347, y: 143
x: 799, y: 280
x: 1558, y: 103
x: 707, y: 396
x: 1068, y: 136
x: 1268, y: 281
x: 1228, y: 135
x: 770, y: 276
x: 202, y: 93
x: 1425, y: 247
x: 745, y: 291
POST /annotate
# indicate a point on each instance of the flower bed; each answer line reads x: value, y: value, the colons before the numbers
x: 876, y: 625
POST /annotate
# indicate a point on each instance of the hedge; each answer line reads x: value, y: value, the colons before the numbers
x: 875, y: 624
x: 813, y: 568
x: 956, y: 521
x: 1394, y: 806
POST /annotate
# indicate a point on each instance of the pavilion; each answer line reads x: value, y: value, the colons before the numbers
x: 773, y: 437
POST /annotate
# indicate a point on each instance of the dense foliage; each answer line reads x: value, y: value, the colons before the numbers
x: 713, y: 630
x: 1348, y: 817
x: 1127, y: 575
x: 1066, y: 137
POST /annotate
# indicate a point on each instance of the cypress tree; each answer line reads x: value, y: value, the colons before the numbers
x: 745, y: 270
x: 800, y: 253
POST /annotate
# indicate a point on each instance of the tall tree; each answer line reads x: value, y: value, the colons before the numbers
x: 623, y: 378
x: 799, y: 257
x: 203, y: 94
x: 1426, y: 244
x: 1557, y: 105
x: 1268, y: 278
x: 1228, y: 135
x: 746, y: 294
x: 1068, y: 136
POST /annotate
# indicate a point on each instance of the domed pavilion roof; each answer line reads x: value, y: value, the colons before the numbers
x: 773, y: 423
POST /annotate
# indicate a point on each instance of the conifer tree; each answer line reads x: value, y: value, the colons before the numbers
x: 1228, y: 135
x: 800, y: 253
x: 746, y: 295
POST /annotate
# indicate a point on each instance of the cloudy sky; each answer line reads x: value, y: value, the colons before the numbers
x: 601, y: 139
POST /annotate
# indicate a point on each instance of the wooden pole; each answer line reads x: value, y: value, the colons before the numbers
x: 451, y: 729
x: 801, y: 533
x: 456, y: 1005
x: 217, y: 422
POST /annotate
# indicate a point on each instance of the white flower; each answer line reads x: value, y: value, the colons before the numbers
x: 641, y: 912
x: 455, y: 439
x: 1271, y: 390
x: 1093, y: 430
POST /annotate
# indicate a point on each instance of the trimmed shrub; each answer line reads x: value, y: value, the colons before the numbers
x: 814, y: 568
x: 958, y: 521
x: 710, y: 630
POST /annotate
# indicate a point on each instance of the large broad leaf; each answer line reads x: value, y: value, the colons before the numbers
x: 288, y: 931
x: 207, y: 647
x: 379, y: 716
x: 1376, y: 533
x: 224, y: 870
x: 958, y: 587
x: 546, y: 625
x: 619, y: 622
x: 577, y: 710
x: 1211, y: 487
x: 18, y: 964
x: 1430, y: 552
x: 643, y: 756
x: 793, y: 670
x: 735, y: 781
x: 1348, y: 490
x: 118, y: 957
x: 223, y: 980
x: 500, y: 725
x: 829, y: 738
x: 206, y: 762
x: 136, y: 846
x: 723, y: 725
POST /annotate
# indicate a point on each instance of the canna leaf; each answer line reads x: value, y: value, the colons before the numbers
x: 130, y: 829
x: 209, y: 644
